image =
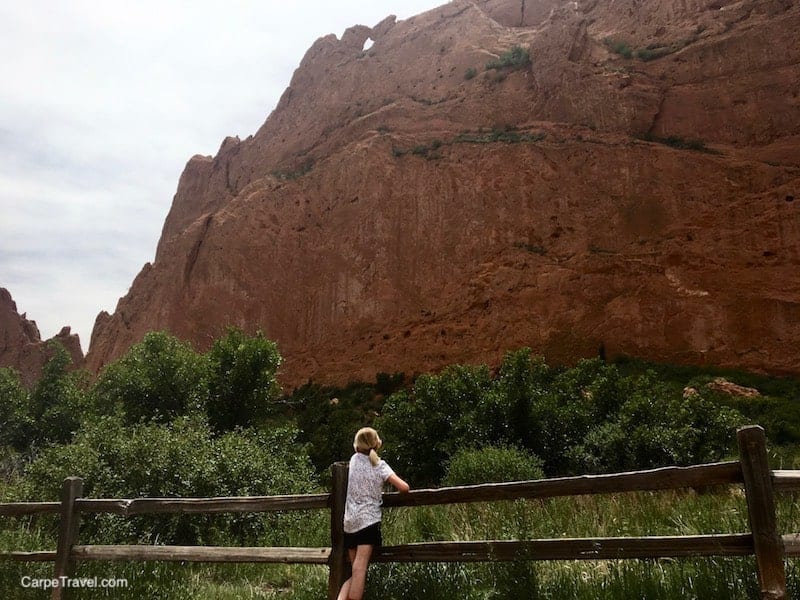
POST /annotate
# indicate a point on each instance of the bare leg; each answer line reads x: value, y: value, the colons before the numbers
x: 359, y: 577
x: 344, y: 593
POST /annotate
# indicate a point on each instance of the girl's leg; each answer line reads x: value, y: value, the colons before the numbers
x: 344, y: 593
x: 359, y: 577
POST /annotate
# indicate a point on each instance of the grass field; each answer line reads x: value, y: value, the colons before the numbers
x: 635, y: 514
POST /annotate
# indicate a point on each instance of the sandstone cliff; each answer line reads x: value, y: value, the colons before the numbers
x: 405, y: 207
x: 21, y: 345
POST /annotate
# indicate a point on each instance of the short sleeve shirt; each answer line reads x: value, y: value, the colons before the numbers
x: 364, y: 492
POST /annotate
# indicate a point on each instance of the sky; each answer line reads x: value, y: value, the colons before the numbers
x: 103, y: 102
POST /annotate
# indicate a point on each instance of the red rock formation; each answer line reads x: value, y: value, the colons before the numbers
x: 395, y: 214
x: 21, y: 345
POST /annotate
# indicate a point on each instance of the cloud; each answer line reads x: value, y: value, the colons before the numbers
x: 103, y: 103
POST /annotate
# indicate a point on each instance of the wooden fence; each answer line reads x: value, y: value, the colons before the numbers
x: 751, y: 470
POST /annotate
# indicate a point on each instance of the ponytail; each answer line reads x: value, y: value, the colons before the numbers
x: 374, y: 458
x: 368, y: 442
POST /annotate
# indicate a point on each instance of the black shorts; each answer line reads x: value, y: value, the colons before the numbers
x: 370, y: 535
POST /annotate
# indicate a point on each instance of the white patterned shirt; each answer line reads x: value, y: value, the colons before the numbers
x: 364, y: 492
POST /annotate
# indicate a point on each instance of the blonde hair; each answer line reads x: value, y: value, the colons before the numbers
x: 367, y: 440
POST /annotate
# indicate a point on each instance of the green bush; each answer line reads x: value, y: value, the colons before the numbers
x: 515, y: 58
x: 180, y: 459
x: 58, y: 400
x: 492, y: 464
x: 329, y: 417
x: 242, y: 389
x: 656, y: 427
x: 158, y: 379
x: 470, y: 73
x: 588, y: 418
x: 16, y: 426
x: 423, y: 429
x: 619, y: 47
x: 652, y: 53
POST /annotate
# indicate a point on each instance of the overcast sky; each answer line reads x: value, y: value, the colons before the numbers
x: 102, y: 102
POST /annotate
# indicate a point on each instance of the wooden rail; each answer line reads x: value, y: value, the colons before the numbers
x: 764, y: 542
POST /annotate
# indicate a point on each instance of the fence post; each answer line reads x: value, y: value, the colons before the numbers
x: 69, y: 522
x: 339, y: 567
x: 761, y: 512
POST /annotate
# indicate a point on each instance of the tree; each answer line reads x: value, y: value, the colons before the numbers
x: 158, y: 379
x: 16, y: 425
x: 58, y: 401
x: 455, y: 409
x: 181, y: 458
x: 521, y: 382
x: 242, y: 389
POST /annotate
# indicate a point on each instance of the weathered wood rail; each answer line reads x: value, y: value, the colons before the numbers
x: 751, y: 471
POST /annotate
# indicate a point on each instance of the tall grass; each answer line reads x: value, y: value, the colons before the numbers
x: 639, y: 514
x: 721, y: 510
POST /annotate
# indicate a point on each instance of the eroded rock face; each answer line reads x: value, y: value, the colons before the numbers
x: 405, y: 207
x: 21, y: 345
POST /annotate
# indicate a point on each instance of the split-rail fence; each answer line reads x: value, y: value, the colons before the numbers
x: 751, y: 471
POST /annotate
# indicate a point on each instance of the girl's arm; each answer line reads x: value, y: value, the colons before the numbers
x: 400, y: 485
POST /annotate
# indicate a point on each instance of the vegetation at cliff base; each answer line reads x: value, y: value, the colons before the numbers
x: 167, y: 421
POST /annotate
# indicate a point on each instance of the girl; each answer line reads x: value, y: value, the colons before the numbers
x: 362, y: 511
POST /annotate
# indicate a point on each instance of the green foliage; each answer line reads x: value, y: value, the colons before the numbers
x: 507, y: 135
x: 386, y: 383
x: 422, y: 430
x: 329, y: 417
x: 655, y: 428
x: 589, y: 418
x: 777, y: 410
x: 680, y: 143
x: 242, y: 389
x: 470, y: 73
x: 16, y: 426
x: 181, y: 459
x: 521, y: 382
x: 420, y: 149
x: 293, y: 174
x: 619, y: 47
x: 57, y: 401
x: 159, y: 379
x: 492, y: 464
x: 652, y: 53
x: 515, y: 58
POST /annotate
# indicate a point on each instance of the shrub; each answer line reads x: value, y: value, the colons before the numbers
x: 588, y: 418
x: 387, y: 384
x: 654, y: 427
x: 181, y: 459
x: 678, y: 142
x: 652, y: 53
x: 515, y: 58
x: 16, y: 426
x: 158, y: 379
x: 58, y: 400
x: 423, y: 428
x: 619, y: 47
x: 470, y: 73
x: 242, y: 388
x: 506, y: 135
x: 328, y: 418
x: 492, y: 464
